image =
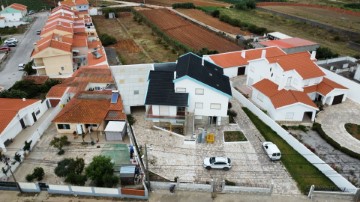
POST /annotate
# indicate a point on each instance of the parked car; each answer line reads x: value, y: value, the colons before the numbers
x: 272, y: 150
x: 5, y: 48
x: 21, y: 66
x: 217, y: 163
x: 11, y: 40
x: 11, y: 44
x: 31, y: 12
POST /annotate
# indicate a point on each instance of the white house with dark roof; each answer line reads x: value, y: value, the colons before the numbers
x: 193, y: 86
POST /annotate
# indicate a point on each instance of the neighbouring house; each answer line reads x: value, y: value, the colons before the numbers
x: 277, y: 36
x: 292, y: 45
x: 13, y: 15
x: 16, y: 115
x: 79, y: 5
x: 283, y: 105
x: 132, y: 82
x: 90, y: 111
x: 235, y: 63
x: 292, y: 77
x: 348, y: 67
x: 193, y: 88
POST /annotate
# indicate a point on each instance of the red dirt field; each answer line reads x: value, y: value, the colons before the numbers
x: 214, y: 22
x: 196, y: 2
x: 187, y: 33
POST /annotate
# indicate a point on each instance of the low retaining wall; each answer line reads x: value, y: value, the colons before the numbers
x: 181, y: 186
x: 253, y: 190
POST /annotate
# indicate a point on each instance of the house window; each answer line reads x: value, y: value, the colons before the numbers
x: 260, y: 97
x: 181, y: 90
x: 289, y: 115
x: 198, y: 105
x: 63, y: 126
x: 215, y: 106
x: 199, y: 91
x: 62, y: 68
x: 136, y: 92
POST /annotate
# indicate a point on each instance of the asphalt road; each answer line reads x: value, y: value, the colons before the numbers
x: 9, y: 72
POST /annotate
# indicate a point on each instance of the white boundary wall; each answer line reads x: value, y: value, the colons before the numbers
x: 354, y: 88
x: 335, y: 177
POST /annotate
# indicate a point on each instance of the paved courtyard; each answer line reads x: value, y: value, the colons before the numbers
x: 170, y: 156
x: 333, y: 120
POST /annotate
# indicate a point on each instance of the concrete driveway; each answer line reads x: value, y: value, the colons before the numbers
x: 333, y: 120
x: 9, y: 72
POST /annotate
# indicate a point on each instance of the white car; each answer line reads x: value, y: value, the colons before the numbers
x: 217, y: 163
x: 21, y: 66
x: 272, y: 150
x: 10, y: 40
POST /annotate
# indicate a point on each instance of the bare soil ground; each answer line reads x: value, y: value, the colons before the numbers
x: 211, y: 21
x: 136, y: 42
x: 196, y: 2
x: 188, y: 33
x: 45, y: 156
x: 335, y: 19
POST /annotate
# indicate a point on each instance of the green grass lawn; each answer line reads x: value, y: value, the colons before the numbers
x: 303, y: 172
x: 353, y: 129
x: 290, y: 27
x: 234, y: 136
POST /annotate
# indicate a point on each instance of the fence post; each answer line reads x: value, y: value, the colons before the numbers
x: 212, y: 185
x: 271, y: 187
x: 311, y: 191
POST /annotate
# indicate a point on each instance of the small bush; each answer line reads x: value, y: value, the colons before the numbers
x: 38, y: 173
x: 325, y: 53
x: 215, y: 13
x: 107, y: 40
x: 131, y: 119
x: 76, y: 179
x: 29, y: 177
x: 61, y: 152
x: 229, y: 183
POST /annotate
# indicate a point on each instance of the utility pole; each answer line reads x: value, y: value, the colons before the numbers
x: 12, y: 174
x: 147, y: 168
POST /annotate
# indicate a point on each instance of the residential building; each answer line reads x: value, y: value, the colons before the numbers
x: 291, y: 45
x: 192, y: 87
x: 79, y: 5
x: 13, y: 15
x: 348, y: 67
x: 235, y: 63
x: 90, y: 111
x: 16, y: 115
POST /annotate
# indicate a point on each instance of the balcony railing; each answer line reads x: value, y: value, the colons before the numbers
x: 180, y: 115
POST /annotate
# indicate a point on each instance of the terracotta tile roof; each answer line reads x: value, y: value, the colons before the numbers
x: 281, y: 98
x: 79, y: 41
x: 324, y: 87
x: 71, y: 2
x: 9, y: 107
x: 95, y: 75
x: 288, y: 43
x: 37, y: 79
x: 62, y: 7
x: 52, y: 43
x: 234, y: 59
x: 18, y: 6
x: 300, y: 62
x: 59, y: 17
x: 92, y: 60
x: 115, y: 115
x: 98, y: 66
x: 94, y: 44
x: 79, y: 30
x: 57, y: 91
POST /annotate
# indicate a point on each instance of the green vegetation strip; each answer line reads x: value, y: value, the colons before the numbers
x: 353, y: 129
x: 336, y: 145
x: 234, y: 136
x: 302, y: 171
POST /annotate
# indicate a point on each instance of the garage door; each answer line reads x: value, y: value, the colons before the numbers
x: 337, y: 99
x: 241, y: 71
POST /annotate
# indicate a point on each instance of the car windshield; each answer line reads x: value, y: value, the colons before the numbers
x: 229, y: 161
x: 212, y: 160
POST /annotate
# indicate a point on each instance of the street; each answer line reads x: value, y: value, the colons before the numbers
x: 9, y: 72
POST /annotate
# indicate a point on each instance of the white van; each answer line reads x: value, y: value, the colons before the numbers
x: 272, y: 150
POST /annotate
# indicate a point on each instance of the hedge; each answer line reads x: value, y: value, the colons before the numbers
x: 187, y: 5
x: 317, y: 127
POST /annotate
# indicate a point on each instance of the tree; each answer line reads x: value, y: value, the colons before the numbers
x: 59, y: 143
x: 38, y: 174
x: 325, y: 53
x: 71, y: 169
x: 13, y: 94
x: 215, y: 13
x: 27, y: 145
x: 28, y: 68
x: 101, y: 172
x: 107, y: 40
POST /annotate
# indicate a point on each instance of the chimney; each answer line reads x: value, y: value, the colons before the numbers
x: 36, y: 48
x: 2, y: 7
x: 263, y: 53
x: 243, y: 54
x: 24, y: 99
x: 313, y: 55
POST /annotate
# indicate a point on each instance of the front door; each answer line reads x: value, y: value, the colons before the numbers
x: 241, y: 71
x: 338, y: 99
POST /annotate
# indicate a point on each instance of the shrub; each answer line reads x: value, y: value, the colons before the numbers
x: 69, y: 165
x: 215, y: 13
x: 38, y: 173
x: 183, y: 5
x: 17, y: 157
x: 325, y: 53
x: 131, y: 119
x: 245, y: 5
x: 27, y: 145
x: 29, y: 177
x: 76, y: 179
x: 107, y: 40
x: 101, y: 171
x: 229, y: 183
x: 59, y: 143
